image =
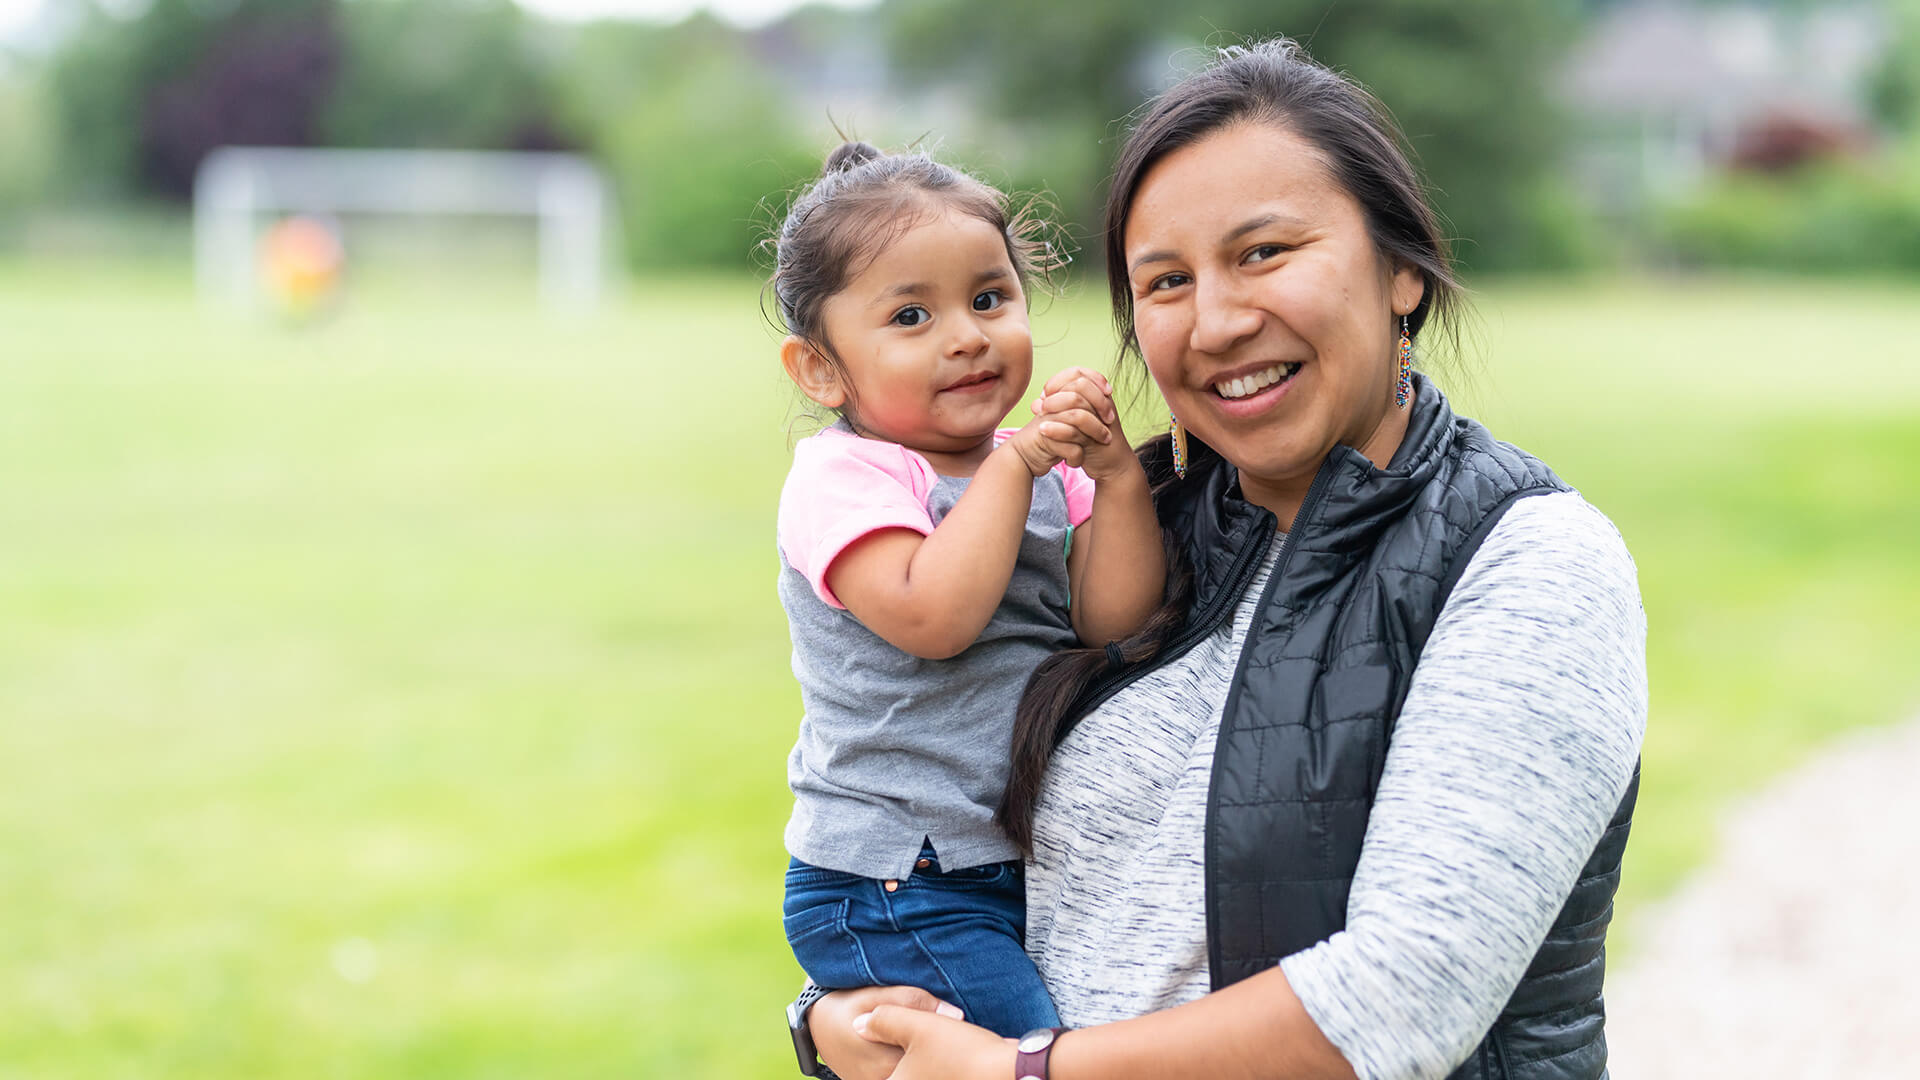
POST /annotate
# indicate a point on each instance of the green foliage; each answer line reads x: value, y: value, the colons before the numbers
x: 140, y: 100
x: 1895, y: 88
x: 698, y: 140
x: 1841, y: 215
x: 467, y: 74
x: 1463, y: 78
x: 26, y: 143
x: 95, y: 86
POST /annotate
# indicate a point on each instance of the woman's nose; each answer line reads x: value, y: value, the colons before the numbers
x: 1221, y: 319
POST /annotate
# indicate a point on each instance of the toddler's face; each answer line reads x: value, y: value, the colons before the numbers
x: 933, y: 336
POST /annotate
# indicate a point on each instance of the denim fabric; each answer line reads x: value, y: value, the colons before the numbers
x: 957, y: 935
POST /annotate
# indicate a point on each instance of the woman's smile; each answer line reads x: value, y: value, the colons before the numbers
x: 1249, y: 391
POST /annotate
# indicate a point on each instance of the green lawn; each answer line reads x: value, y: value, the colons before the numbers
x: 407, y: 696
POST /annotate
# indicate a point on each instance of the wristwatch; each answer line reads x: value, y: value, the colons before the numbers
x: 1035, y: 1047
x: 803, y: 1047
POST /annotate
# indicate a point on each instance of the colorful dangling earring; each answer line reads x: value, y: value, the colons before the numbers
x: 1403, y: 393
x: 1179, y: 446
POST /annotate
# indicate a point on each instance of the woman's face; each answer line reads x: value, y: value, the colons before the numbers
x: 1263, y: 309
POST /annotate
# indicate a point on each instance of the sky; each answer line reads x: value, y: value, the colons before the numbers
x: 17, y: 17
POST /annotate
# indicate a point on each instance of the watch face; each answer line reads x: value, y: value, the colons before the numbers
x: 1035, y: 1041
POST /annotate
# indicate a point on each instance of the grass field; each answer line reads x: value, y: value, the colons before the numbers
x: 407, y: 696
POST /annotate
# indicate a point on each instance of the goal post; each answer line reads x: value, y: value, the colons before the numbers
x: 564, y: 194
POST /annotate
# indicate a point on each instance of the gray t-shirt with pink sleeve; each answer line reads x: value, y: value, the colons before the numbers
x: 895, y: 750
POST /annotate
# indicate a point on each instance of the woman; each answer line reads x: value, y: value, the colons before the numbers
x: 1355, y: 803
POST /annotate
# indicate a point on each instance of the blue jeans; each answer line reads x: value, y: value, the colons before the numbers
x: 955, y: 935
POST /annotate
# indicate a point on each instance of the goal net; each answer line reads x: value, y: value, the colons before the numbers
x: 238, y: 189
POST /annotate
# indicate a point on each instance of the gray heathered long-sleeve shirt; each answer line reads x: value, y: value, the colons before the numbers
x: 1517, y: 739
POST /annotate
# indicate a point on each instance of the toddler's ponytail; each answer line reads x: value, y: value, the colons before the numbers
x: 850, y: 155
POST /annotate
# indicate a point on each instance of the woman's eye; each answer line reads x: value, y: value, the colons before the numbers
x: 910, y: 316
x: 989, y: 300
x: 1264, y: 252
x: 1167, y: 281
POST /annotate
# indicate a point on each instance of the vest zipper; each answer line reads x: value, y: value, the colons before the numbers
x: 1210, y: 847
x: 1499, y: 1050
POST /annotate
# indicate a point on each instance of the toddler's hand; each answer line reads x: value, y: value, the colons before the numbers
x: 1037, y: 452
x: 1078, y: 419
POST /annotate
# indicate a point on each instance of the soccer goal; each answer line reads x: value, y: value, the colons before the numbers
x: 237, y: 187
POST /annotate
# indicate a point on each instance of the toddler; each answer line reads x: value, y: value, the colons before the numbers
x: 928, y: 562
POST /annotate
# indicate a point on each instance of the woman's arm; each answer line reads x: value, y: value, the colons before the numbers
x: 1255, y: 1029
x: 1511, y: 754
x: 1516, y: 742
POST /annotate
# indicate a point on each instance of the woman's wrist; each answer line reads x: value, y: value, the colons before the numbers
x: 1126, y: 476
x: 1034, y: 1052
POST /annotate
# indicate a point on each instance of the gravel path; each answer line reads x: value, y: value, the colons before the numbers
x: 1796, y: 952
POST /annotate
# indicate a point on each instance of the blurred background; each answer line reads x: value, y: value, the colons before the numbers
x: 391, y: 678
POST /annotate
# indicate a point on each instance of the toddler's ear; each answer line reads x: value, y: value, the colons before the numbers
x: 815, y: 375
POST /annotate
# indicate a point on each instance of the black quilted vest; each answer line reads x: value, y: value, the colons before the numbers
x: 1352, y: 598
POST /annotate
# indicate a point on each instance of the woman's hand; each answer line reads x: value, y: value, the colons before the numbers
x: 936, y: 1047
x: 831, y: 1020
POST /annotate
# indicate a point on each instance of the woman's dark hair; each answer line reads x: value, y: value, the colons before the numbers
x: 1269, y: 82
x: 865, y: 199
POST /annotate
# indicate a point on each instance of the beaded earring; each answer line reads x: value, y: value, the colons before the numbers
x: 1179, y: 446
x: 1403, y: 392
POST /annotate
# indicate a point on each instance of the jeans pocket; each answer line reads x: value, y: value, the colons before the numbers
x: 826, y: 948
x: 991, y: 876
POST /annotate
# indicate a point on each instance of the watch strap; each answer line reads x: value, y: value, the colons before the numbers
x: 809, y: 1058
x: 1035, y: 1052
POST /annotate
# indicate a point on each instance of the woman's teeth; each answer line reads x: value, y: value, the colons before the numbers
x: 1256, y: 382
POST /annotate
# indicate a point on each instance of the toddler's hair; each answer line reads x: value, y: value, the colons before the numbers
x: 863, y: 201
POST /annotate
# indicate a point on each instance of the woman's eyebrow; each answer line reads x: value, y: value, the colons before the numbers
x: 1150, y: 257
x: 1254, y: 224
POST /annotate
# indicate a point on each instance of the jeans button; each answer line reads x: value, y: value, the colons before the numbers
x: 923, y: 864
x: 892, y: 885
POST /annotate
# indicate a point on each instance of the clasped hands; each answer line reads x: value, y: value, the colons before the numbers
x: 904, y: 1033
x: 1075, y: 421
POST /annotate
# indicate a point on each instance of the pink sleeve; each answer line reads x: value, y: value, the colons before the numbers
x: 1079, y: 493
x: 841, y: 488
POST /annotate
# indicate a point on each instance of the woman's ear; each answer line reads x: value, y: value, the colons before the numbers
x: 815, y: 375
x: 1409, y: 285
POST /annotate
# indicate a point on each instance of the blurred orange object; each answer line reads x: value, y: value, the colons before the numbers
x: 301, y: 260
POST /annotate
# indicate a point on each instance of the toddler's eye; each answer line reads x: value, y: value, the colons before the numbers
x: 989, y: 300
x: 910, y: 316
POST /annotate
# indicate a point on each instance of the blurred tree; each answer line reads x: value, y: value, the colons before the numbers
x: 1467, y: 79
x: 696, y: 135
x: 1895, y: 89
x: 141, y: 100
x: 26, y: 141
x: 467, y: 74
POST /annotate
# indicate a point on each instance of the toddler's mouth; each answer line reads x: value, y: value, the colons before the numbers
x: 973, y: 382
